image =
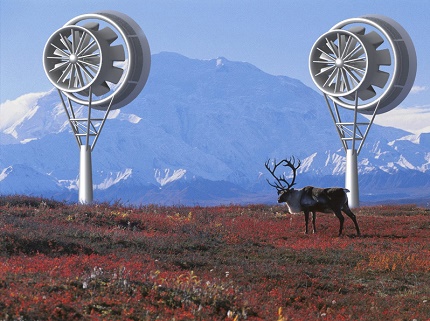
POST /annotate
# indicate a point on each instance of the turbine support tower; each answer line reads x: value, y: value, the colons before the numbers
x: 99, y: 61
x: 86, y: 130
x: 366, y: 65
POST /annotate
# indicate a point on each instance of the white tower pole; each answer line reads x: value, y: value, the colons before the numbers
x: 351, y: 178
x: 85, y: 175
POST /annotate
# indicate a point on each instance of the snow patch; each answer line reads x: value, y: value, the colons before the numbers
x: 27, y: 140
x: 219, y: 62
x: 403, y: 162
x: 307, y: 163
x: 414, y: 139
x: 134, y: 119
x: 5, y: 173
x: 70, y: 184
x: 167, y: 178
x: 117, y: 114
x: 114, y: 114
x: 114, y: 179
x: 13, y: 112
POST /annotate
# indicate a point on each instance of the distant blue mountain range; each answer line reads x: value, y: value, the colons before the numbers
x: 199, y: 134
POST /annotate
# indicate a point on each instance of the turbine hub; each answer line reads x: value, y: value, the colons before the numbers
x: 73, y: 58
x: 338, y: 63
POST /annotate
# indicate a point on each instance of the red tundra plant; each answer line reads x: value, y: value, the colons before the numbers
x: 110, y: 262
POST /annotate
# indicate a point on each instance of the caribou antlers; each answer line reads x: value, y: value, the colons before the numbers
x: 281, y: 180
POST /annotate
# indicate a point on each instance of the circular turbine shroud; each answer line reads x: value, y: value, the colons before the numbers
x: 372, y: 57
x: 105, y: 52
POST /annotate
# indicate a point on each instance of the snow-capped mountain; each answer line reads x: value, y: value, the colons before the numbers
x: 199, y: 133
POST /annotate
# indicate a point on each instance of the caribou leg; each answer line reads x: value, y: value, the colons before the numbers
x: 306, y: 220
x: 348, y: 212
x: 314, y: 215
x: 339, y: 215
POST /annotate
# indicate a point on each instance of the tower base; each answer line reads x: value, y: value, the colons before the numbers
x: 351, y: 178
x: 85, y: 176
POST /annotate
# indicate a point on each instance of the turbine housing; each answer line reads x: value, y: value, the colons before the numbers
x: 372, y: 57
x: 105, y: 52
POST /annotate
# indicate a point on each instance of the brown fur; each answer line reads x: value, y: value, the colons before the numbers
x: 314, y: 199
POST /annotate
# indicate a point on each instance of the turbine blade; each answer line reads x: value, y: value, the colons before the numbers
x: 333, y: 48
x: 101, y: 89
x: 114, y: 75
x: 94, y: 47
x: 326, y: 56
x: 108, y: 34
x: 330, y: 78
x: 60, y: 53
x: 84, y: 42
x: 117, y: 53
x: 324, y: 70
x: 358, y: 30
x: 91, y: 26
x: 374, y: 38
x: 383, y: 57
x: 367, y: 93
x: 66, y: 42
x: 346, y: 84
x: 60, y: 65
x: 75, y: 37
x: 380, y: 78
x: 65, y: 73
x: 349, y: 47
x: 80, y: 78
x: 338, y: 85
x: 342, y: 44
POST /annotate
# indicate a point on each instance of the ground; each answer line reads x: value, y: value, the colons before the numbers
x: 109, y: 262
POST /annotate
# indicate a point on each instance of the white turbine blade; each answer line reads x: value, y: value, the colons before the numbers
x: 66, y: 42
x: 345, y: 78
x: 87, y: 49
x: 342, y: 44
x: 65, y: 73
x: 330, y: 79
x: 60, y: 53
x: 324, y: 70
x: 60, y: 65
x: 85, y: 40
x: 350, y: 46
x: 338, y: 83
x: 333, y: 48
x: 352, y: 75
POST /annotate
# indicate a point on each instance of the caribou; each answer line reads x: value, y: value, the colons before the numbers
x: 310, y: 199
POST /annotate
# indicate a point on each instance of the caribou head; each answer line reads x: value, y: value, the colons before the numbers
x: 285, y: 189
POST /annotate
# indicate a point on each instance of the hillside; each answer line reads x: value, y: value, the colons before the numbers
x: 64, y: 262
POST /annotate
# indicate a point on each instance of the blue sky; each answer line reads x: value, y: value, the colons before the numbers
x: 276, y: 36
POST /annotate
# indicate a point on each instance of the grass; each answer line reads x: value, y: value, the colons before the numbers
x: 108, y: 262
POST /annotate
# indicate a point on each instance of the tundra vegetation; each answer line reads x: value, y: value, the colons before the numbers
x: 64, y: 261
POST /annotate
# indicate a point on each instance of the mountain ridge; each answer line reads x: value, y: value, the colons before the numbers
x: 207, y: 121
